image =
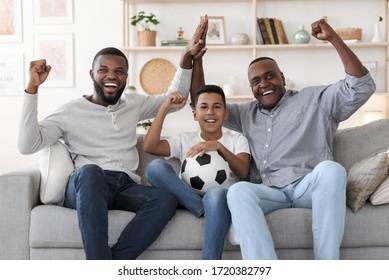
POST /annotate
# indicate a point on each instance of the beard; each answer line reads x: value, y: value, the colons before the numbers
x: 111, y: 100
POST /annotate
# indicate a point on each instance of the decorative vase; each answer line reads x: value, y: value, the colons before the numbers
x: 301, y: 36
x: 376, y: 38
x: 147, y: 38
x: 240, y: 39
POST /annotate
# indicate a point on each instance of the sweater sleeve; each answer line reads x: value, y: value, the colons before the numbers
x: 180, y: 83
x: 33, y: 135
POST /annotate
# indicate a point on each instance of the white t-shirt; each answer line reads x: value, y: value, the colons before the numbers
x: 180, y: 144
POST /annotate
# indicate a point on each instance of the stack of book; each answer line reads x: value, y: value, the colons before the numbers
x: 271, y: 31
x: 174, y: 43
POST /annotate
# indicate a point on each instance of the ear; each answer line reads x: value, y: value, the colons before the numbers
x: 194, y: 115
x: 91, y: 74
x: 226, y: 114
x: 283, y: 79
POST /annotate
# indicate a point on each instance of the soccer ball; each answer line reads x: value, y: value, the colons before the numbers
x: 205, y: 172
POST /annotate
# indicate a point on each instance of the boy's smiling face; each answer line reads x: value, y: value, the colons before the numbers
x: 210, y: 112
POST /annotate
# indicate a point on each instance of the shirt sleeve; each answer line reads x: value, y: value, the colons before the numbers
x: 175, y: 143
x: 241, y: 144
x: 180, y: 83
x: 345, y: 97
x: 34, y: 136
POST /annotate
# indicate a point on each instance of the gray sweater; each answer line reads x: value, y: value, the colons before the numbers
x: 95, y: 134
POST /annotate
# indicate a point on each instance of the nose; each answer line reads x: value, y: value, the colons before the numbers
x: 210, y: 111
x: 111, y: 74
x: 263, y: 83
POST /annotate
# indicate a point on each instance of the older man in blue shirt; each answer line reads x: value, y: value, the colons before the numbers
x: 291, y: 141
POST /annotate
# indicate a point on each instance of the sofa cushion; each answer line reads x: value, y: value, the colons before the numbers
x: 352, y: 145
x: 363, y: 179
x: 55, y: 166
x: 381, y: 194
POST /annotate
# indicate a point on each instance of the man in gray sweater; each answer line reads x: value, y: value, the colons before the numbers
x: 99, y: 132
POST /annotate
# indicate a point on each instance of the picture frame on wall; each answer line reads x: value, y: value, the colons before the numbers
x: 53, y: 12
x: 216, y: 34
x: 11, y: 75
x: 10, y: 21
x: 57, y: 49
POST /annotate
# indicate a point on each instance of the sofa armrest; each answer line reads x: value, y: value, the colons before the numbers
x: 19, y: 193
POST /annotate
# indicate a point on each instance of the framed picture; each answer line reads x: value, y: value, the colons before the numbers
x: 53, y: 12
x: 57, y: 49
x: 11, y: 75
x: 216, y: 34
x: 10, y: 21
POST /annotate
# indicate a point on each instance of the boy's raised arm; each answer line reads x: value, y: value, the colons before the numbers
x: 153, y: 143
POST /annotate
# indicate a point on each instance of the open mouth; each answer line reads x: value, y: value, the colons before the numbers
x: 210, y: 121
x: 110, y: 87
x: 267, y: 92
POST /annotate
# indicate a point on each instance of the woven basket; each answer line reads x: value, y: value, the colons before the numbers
x: 350, y: 33
x: 156, y: 76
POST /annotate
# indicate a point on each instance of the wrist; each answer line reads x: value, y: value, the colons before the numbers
x: 186, y: 61
x: 31, y: 90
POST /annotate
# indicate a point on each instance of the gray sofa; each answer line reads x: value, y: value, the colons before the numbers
x: 30, y: 230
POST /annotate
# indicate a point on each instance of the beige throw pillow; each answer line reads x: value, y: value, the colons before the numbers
x: 363, y: 179
x: 381, y: 195
x: 55, y: 166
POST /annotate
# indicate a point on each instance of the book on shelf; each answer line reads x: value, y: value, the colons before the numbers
x: 171, y: 43
x: 264, y: 34
x: 271, y: 31
x: 268, y: 29
x: 260, y: 40
x: 282, y: 39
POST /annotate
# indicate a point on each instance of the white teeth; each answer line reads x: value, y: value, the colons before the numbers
x: 210, y: 121
x: 110, y: 85
x: 267, y: 92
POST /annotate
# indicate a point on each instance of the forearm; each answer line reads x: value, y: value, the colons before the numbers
x: 237, y: 165
x: 198, y: 79
x: 181, y: 82
x: 28, y: 125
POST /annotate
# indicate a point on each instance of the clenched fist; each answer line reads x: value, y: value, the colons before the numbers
x: 39, y: 71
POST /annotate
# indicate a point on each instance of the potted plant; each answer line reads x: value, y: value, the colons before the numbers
x: 146, y: 36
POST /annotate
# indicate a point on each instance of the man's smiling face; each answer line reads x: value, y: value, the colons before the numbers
x: 267, y: 82
x: 109, y: 76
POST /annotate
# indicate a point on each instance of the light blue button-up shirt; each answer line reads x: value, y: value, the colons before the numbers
x: 297, y: 134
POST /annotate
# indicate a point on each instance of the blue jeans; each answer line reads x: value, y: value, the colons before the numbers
x: 92, y: 191
x: 323, y: 190
x: 161, y: 174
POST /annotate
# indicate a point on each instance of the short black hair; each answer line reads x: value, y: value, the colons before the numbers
x: 111, y: 51
x: 210, y: 89
x: 260, y: 59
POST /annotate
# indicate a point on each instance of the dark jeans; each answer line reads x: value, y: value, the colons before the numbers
x: 92, y: 191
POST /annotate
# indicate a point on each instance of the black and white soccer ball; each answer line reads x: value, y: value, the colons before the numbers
x: 205, y: 172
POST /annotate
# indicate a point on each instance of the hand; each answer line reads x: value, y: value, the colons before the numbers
x: 323, y: 31
x: 202, y: 147
x: 175, y: 101
x: 196, y: 47
x: 39, y: 72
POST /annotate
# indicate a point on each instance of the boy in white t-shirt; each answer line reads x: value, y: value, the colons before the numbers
x: 210, y: 112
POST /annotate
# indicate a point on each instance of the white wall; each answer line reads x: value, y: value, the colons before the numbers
x: 98, y: 24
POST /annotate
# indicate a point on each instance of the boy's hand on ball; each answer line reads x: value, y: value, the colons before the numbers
x: 203, y: 147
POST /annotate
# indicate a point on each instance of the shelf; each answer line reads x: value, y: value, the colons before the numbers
x: 241, y: 98
x: 245, y: 20
x: 269, y: 47
x: 181, y: 1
